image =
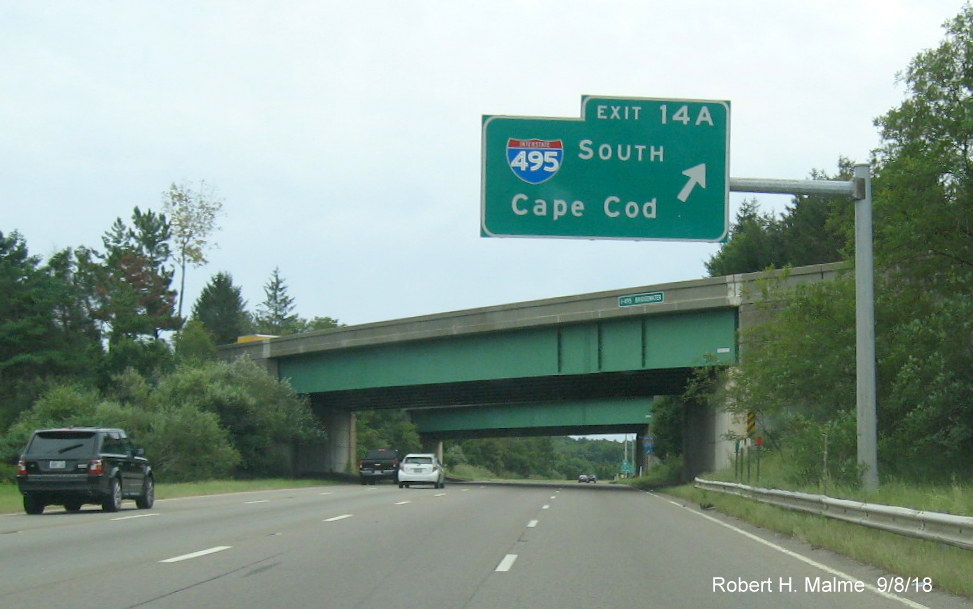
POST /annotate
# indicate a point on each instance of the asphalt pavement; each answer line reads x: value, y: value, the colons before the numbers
x: 469, y: 546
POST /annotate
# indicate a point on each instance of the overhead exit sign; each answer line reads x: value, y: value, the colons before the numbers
x: 629, y: 168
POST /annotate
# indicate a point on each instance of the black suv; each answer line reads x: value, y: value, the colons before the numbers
x: 77, y: 465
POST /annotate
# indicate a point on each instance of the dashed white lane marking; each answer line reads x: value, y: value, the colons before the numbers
x: 257, y: 501
x: 402, y: 502
x: 212, y: 550
x: 439, y: 495
x: 506, y: 563
x: 337, y: 518
x: 531, y: 524
x: 327, y: 493
x: 545, y: 507
x: 134, y: 516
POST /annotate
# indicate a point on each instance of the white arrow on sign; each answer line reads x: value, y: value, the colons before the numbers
x: 696, y: 175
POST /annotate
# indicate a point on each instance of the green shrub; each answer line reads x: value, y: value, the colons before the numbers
x: 667, y: 473
x: 8, y: 473
x: 181, y: 442
x: 262, y: 416
x: 186, y: 443
x: 60, y: 406
x: 465, y: 471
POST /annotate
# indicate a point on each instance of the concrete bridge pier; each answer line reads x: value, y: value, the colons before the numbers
x: 705, y: 444
x: 434, y: 446
x: 340, y: 454
x: 643, y: 461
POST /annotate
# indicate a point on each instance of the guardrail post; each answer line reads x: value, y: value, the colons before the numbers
x: 737, y: 466
x: 760, y: 450
x: 749, y: 459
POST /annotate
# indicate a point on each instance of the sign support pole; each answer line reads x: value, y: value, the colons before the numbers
x: 865, y: 331
x: 859, y: 189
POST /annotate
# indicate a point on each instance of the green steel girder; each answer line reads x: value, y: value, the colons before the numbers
x: 630, y: 415
x: 678, y: 340
x: 517, y: 391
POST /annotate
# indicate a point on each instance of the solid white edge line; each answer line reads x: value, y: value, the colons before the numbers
x: 506, y: 563
x: 337, y: 518
x: 212, y: 550
x: 802, y: 558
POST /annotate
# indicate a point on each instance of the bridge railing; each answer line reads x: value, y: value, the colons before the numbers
x: 935, y: 526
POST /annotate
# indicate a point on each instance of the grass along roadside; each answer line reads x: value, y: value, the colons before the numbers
x: 955, y: 497
x: 948, y: 566
x: 950, y: 498
x: 11, y: 502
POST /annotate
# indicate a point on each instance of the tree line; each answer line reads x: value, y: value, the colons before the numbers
x: 797, y: 371
x: 557, y: 458
x: 553, y: 458
x: 96, y: 335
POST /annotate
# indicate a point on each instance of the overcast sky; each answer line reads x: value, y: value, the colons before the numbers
x: 344, y: 137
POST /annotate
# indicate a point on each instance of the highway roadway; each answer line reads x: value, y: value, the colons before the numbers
x: 468, y: 546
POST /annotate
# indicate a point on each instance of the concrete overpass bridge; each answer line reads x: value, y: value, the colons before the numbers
x: 584, y: 364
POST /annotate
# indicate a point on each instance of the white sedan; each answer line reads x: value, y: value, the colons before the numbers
x: 422, y: 469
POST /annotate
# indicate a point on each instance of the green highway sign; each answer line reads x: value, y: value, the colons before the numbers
x: 629, y: 168
x: 641, y: 299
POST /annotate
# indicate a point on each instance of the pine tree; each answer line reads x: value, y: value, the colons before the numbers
x: 222, y: 310
x: 275, y: 315
x: 133, y: 278
x: 45, y: 331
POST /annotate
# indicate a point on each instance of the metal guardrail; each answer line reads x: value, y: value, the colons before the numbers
x: 935, y: 526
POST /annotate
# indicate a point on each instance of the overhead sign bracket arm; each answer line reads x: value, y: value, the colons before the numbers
x: 859, y: 189
x: 853, y: 189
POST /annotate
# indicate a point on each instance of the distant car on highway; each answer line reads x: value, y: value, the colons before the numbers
x: 379, y: 464
x: 78, y: 465
x: 422, y: 468
x: 583, y: 478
